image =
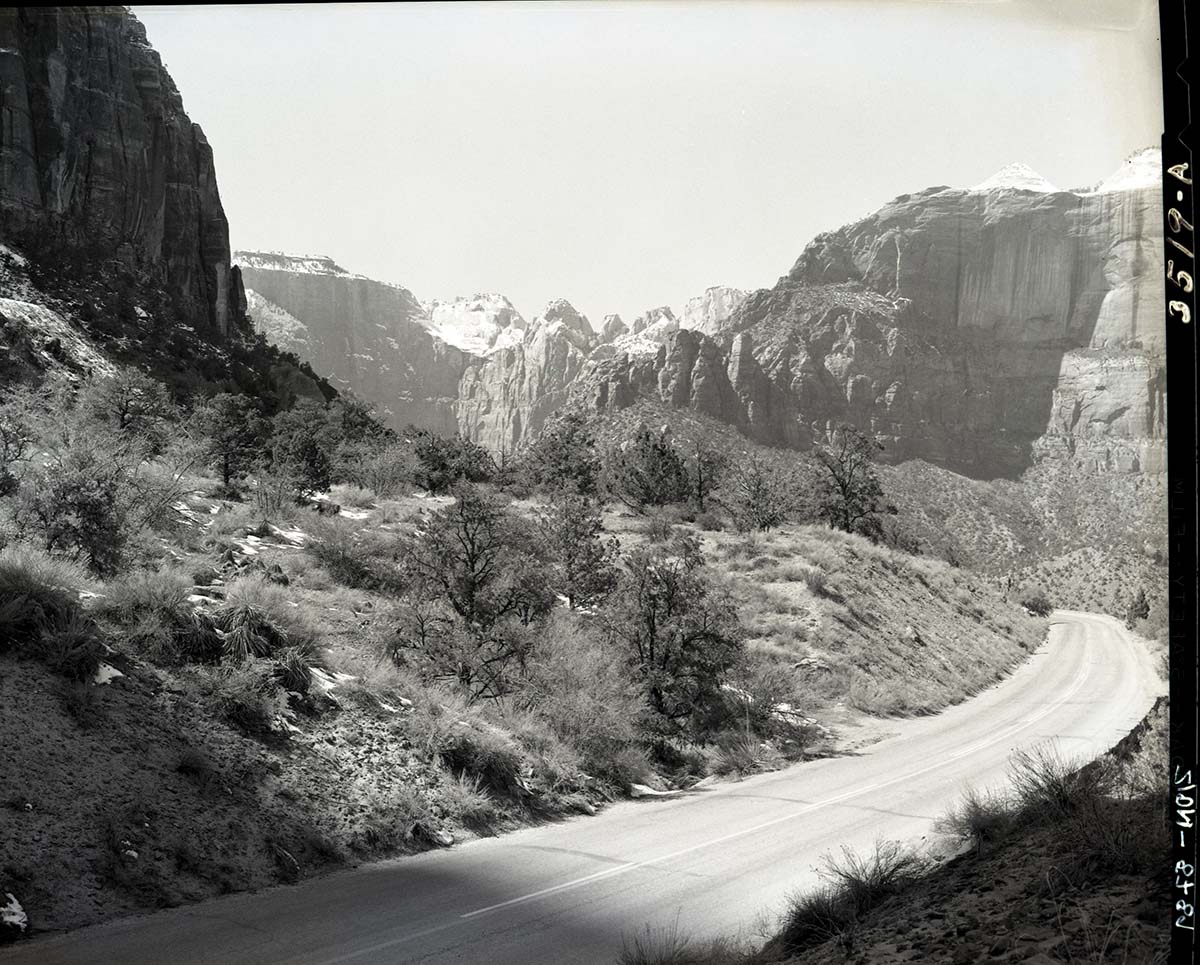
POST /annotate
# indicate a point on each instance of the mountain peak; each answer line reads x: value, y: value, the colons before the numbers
x: 1142, y: 169
x: 1016, y: 177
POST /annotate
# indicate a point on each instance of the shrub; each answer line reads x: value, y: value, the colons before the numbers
x: 816, y: 581
x: 246, y: 696
x: 386, y: 472
x: 1037, y: 603
x: 351, y: 495
x: 1049, y: 786
x: 292, y: 670
x: 72, y: 648
x: 759, y: 496
x: 388, y: 821
x: 37, y: 592
x: 666, y: 945
x: 743, y: 753
x: 647, y: 471
x: 350, y: 558
x: 443, y: 461
x: 583, y: 691
x: 979, y: 817
x: 249, y: 632
x: 854, y: 886
x: 153, y: 608
x: 679, y: 633
x: 564, y: 457
x: 485, y: 752
x: 468, y: 801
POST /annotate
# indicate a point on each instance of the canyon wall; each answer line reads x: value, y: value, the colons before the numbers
x: 981, y: 329
x: 363, y: 335
x: 95, y: 145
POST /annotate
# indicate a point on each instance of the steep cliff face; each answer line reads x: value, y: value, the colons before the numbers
x: 980, y: 329
x: 508, y: 396
x: 711, y: 312
x: 364, y: 335
x: 94, y: 142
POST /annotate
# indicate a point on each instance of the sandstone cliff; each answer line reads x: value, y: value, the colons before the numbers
x: 980, y: 329
x: 363, y: 335
x: 508, y: 396
x: 94, y: 142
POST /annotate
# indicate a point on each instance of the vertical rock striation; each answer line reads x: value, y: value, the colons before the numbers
x: 94, y: 141
x: 363, y: 335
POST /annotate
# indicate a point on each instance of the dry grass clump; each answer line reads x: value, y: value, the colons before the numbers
x: 667, y: 945
x: 40, y: 616
x: 980, y: 817
x: 346, y: 494
x: 742, y: 754
x: 853, y: 886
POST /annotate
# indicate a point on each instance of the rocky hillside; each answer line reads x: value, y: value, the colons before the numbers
x: 95, y: 148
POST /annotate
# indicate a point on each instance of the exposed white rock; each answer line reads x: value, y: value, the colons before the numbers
x: 709, y: 313
x: 1142, y: 169
x: 1016, y: 177
x: 280, y: 326
x: 479, y: 324
x: 45, y: 327
x: 12, y: 916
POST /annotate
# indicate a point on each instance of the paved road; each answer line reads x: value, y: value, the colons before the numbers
x: 711, y: 860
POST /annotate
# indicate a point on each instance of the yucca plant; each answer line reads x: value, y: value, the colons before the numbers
x: 248, y: 632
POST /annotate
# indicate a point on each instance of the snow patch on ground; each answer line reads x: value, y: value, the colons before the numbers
x: 104, y: 673
x: 12, y: 914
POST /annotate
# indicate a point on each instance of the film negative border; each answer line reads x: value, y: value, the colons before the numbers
x: 1180, y: 308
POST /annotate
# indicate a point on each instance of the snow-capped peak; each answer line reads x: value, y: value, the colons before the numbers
x: 1142, y: 169
x: 1016, y: 177
x: 479, y: 324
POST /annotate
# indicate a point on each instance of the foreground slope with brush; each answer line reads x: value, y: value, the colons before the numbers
x: 707, y: 860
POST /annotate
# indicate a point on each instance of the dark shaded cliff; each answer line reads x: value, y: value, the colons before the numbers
x: 96, y: 148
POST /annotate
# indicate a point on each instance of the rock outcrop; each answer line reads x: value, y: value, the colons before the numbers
x: 508, y: 396
x: 711, y: 312
x: 94, y: 142
x: 477, y: 324
x: 364, y: 335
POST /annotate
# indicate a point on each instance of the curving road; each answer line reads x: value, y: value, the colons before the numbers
x: 711, y: 860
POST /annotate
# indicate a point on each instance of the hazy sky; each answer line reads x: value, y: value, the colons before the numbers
x: 628, y: 155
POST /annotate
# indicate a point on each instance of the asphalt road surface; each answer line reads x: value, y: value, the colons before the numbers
x: 710, y: 860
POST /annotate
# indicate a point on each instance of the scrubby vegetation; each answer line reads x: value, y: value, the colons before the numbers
x: 285, y: 588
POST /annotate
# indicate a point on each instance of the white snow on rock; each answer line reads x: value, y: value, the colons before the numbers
x: 12, y: 915
x: 1016, y: 177
x: 18, y: 258
x: 1142, y: 169
x: 41, y: 321
x: 104, y: 673
x: 641, y: 790
x: 279, y: 325
x: 297, y: 264
x: 480, y: 324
